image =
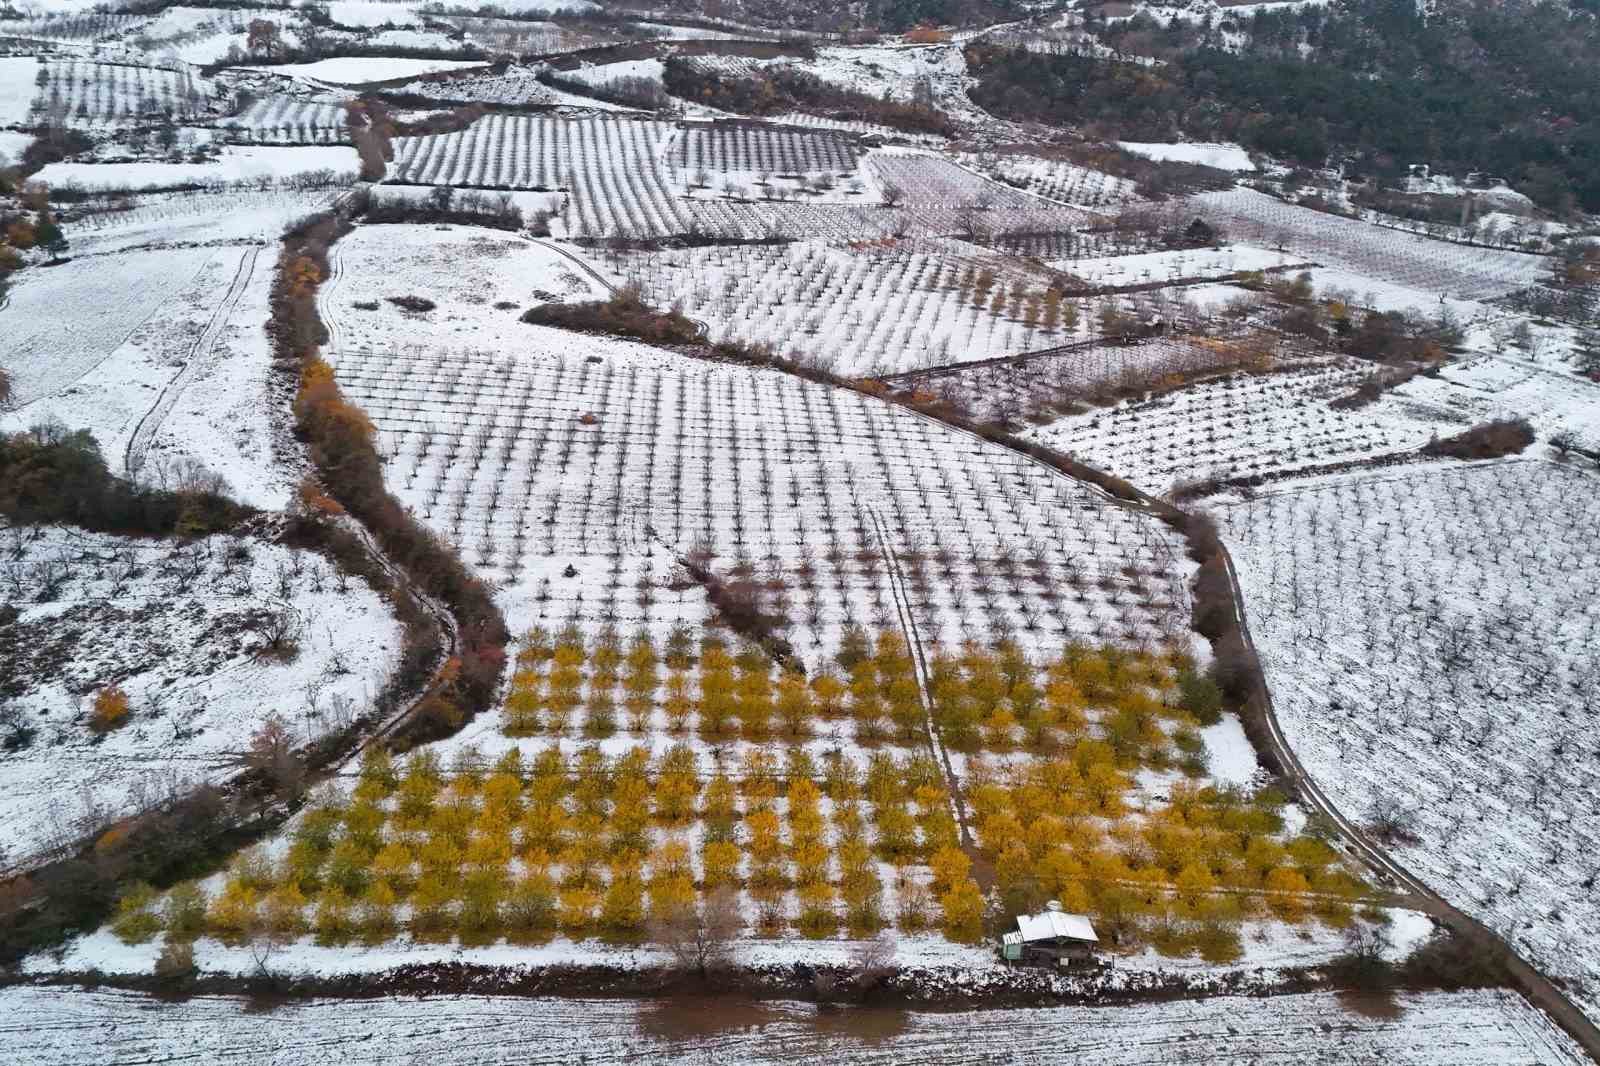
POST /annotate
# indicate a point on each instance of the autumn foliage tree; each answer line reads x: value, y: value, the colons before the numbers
x: 110, y: 709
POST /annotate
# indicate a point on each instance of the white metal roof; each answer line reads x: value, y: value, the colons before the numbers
x: 1055, y: 924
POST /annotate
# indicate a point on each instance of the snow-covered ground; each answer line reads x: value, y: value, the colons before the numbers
x: 178, y: 627
x: 359, y: 70
x: 159, y: 351
x: 1367, y: 251
x: 1188, y: 264
x: 1428, y: 636
x: 1506, y: 383
x: 235, y: 164
x: 468, y: 368
x: 12, y: 145
x: 189, y: 378
x: 17, y: 89
x: 1244, y: 425
x: 648, y: 69
x: 1220, y: 156
x: 49, y: 1028
x: 374, y: 13
x: 890, y: 70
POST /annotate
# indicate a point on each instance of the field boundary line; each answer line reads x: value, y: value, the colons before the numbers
x: 919, y: 670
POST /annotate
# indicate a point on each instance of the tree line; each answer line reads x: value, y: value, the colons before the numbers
x: 1505, y: 89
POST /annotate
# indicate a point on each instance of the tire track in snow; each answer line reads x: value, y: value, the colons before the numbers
x: 200, y: 359
x: 113, y: 349
x: 594, y: 274
x: 325, y: 309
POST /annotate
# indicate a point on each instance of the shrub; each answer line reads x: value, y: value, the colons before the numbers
x: 110, y: 709
x: 1200, y: 696
x: 1455, y: 962
x: 414, y: 304
x: 1363, y: 967
x: 1489, y: 440
x: 176, y: 961
x: 136, y: 921
x: 963, y: 912
x: 50, y: 474
x: 625, y: 314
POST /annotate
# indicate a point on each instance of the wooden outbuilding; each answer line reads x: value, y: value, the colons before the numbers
x: 1051, y: 938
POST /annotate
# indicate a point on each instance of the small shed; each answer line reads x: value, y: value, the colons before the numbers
x: 1051, y: 938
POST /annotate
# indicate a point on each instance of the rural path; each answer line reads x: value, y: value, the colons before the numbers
x: 919, y: 668
x: 440, y: 613
x: 575, y: 259
x: 199, y: 360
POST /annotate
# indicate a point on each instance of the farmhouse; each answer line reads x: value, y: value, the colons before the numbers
x: 1052, y: 937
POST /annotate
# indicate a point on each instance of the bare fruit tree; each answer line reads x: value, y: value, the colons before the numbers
x: 272, y: 752
x: 700, y: 940
x: 873, y: 961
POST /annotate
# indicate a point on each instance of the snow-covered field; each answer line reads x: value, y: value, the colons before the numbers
x: 220, y: 215
x: 85, y: 1027
x: 179, y: 627
x: 96, y: 94
x: 611, y: 169
x: 1427, y: 628
x: 862, y: 307
x: 1428, y: 635
x: 514, y: 85
x: 64, y: 322
x: 1505, y: 383
x: 1369, y: 251
x: 234, y: 164
x: 1245, y: 425
x: 1220, y: 156
x: 1055, y: 179
x: 360, y: 70
x: 151, y: 336
x: 286, y: 120
x: 17, y: 89
x: 676, y: 468
x: 741, y: 149
x: 190, y: 379
x: 374, y: 13
x: 1147, y: 267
